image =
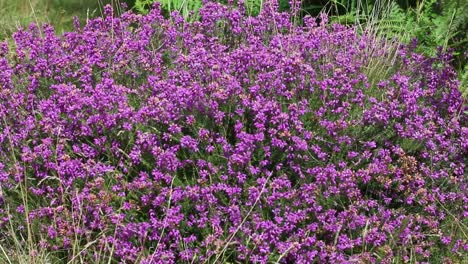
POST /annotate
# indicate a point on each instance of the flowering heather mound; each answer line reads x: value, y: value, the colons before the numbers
x: 231, y: 139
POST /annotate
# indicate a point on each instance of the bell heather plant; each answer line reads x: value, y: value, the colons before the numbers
x: 141, y: 139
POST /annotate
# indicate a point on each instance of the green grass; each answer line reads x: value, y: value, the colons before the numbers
x: 59, y: 13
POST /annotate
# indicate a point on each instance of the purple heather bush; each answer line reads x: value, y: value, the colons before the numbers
x: 145, y: 139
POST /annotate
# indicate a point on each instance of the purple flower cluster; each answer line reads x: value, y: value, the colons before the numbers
x: 232, y: 138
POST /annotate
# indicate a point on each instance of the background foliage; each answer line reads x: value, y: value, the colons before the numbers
x: 434, y: 23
